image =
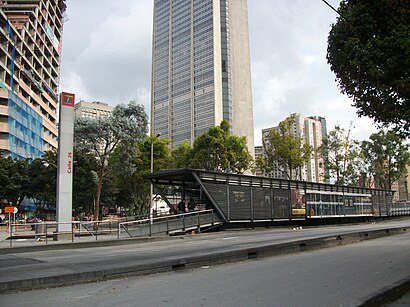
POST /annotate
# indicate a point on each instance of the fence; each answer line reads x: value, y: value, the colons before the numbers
x: 111, y: 229
x: 18, y: 232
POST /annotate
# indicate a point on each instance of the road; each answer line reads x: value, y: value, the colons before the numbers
x: 339, y: 276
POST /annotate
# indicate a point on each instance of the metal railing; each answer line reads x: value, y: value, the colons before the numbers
x: 110, y: 229
x: 169, y: 224
x: 42, y: 231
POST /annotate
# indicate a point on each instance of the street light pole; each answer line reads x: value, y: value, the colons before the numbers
x: 151, y: 209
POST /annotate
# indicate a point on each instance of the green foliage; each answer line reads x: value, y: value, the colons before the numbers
x: 369, y: 51
x: 341, y: 154
x: 217, y: 150
x: 85, y: 180
x: 14, y: 180
x: 387, y: 157
x: 209, y: 150
x: 43, y: 181
x: 126, y: 126
x: 133, y: 192
x: 284, y: 151
x: 238, y: 156
x: 181, y: 156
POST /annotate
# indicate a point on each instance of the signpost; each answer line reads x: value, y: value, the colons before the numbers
x: 11, y: 210
x: 65, y: 165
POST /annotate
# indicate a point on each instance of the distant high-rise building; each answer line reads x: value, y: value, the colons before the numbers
x: 401, y: 188
x: 201, y: 69
x: 310, y: 131
x: 30, y: 36
x: 95, y: 109
x: 322, y: 120
x: 258, y: 153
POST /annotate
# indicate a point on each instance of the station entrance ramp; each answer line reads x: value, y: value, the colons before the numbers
x: 198, y: 221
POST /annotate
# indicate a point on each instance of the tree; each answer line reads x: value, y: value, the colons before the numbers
x: 133, y: 190
x: 14, y: 180
x: 181, y: 156
x: 284, y: 151
x: 340, y: 154
x: 387, y: 157
x: 369, y: 52
x: 126, y: 125
x: 85, y: 181
x: 43, y: 181
x: 217, y: 150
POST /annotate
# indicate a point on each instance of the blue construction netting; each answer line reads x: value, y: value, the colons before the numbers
x: 25, y: 129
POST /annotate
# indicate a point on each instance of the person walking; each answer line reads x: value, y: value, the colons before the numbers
x: 181, y: 209
x: 191, y: 205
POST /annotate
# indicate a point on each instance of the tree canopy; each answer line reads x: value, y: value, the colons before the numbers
x: 126, y: 126
x: 340, y: 154
x: 387, y: 156
x: 217, y: 150
x: 369, y: 52
x: 284, y: 151
x: 14, y: 180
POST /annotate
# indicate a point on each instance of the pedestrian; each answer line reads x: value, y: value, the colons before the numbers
x: 191, y: 205
x: 181, y: 209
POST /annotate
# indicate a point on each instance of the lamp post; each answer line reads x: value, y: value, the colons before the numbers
x: 151, y: 209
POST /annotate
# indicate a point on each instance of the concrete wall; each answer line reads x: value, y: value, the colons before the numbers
x: 242, y: 106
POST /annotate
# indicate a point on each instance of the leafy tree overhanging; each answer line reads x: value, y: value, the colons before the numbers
x: 369, y: 52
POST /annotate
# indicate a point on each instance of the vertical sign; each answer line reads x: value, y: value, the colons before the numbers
x: 65, y: 162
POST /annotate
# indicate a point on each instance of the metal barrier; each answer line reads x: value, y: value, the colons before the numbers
x: 169, y: 224
x: 113, y: 229
x: 41, y: 232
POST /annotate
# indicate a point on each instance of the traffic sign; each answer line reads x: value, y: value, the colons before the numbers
x: 10, y: 209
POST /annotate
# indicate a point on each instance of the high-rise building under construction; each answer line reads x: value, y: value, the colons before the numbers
x: 30, y: 35
x: 201, y: 69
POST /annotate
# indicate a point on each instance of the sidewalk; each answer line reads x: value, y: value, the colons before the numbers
x: 28, y: 242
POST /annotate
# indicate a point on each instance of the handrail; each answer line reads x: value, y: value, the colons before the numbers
x: 42, y: 230
x: 19, y: 230
x: 167, y: 218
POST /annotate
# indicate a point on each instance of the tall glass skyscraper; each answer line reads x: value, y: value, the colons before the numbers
x: 201, y: 69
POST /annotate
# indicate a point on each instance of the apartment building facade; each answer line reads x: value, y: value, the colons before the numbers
x: 310, y: 132
x: 30, y: 55
x: 92, y: 110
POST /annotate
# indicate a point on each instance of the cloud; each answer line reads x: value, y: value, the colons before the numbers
x: 107, y: 57
x: 113, y: 51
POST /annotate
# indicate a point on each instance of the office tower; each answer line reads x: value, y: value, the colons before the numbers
x: 95, y: 109
x: 30, y: 35
x: 201, y: 69
x: 310, y: 131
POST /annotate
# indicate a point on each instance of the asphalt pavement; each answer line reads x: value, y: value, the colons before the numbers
x: 35, y: 265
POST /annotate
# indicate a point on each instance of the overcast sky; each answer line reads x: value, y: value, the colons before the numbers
x: 106, y: 56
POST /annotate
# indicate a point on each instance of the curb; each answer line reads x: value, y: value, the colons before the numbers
x: 190, y: 262
x: 388, y: 294
x: 76, y: 245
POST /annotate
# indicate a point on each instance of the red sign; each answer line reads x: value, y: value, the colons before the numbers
x: 69, y: 163
x: 9, y: 209
x: 67, y: 99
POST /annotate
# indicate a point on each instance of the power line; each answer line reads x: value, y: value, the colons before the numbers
x: 337, y: 12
